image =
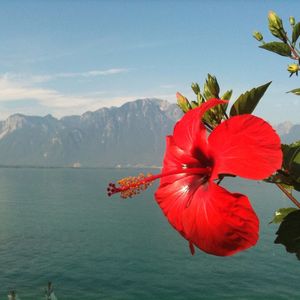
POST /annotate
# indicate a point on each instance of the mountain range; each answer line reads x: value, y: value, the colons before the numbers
x: 132, y: 135
x: 288, y: 132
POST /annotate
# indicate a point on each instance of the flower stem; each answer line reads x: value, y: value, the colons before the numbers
x: 288, y: 194
x: 224, y: 112
x: 293, y: 48
x: 208, y: 126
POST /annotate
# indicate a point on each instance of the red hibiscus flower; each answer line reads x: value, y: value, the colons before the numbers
x: 204, y: 213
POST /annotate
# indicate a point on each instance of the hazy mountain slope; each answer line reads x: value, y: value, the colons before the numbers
x: 129, y: 135
x: 293, y: 135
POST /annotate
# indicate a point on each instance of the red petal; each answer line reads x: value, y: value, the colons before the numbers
x: 208, y: 216
x: 175, y: 158
x: 189, y: 132
x: 246, y: 146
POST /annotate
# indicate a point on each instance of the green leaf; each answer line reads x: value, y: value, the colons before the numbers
x: 296, y: 186
x: 285, y: 179
x: 281, y: 213
x: 296, y: 32
x: 291, y: 164
x: 295, y: 91
x: 213, y: 86
x: 246, y: 103
x: 206, y: 92
x: 195, y: 87
x: 200, y: 99
x: 183, y: 103
x: 288, y: 233
x: 227, y: 95
x: 277, y: 47
x: 194, y: 104
x: 291, y: 157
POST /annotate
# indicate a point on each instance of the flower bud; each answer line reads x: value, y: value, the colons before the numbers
x: 258, y: 36
x: 213, y: 85
x: 292, y: 20
x: 195, y: 88
x: 276, y: 26
x: 274, y: 20
x: 293, y: 69
x: 183, y: 103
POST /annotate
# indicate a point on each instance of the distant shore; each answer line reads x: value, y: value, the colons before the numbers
x: 77, y: 167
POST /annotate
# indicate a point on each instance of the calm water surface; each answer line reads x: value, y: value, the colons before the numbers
x: 58, y: 225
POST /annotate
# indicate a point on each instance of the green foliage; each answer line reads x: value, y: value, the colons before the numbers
x: 286, y: 46
x: 296, y: 32
x: 211, y: 86
x: 289, y: 176
x: 276, y: 26
x: 295, y: 92
x: 285, y: 179
x: 183, y: 103
x: 288, y: 233
x: 277, y: 47
x: 291, y: 162
x: 258, y: 36
x: 195, y: 87
x: 281, y: 213
x: 246, y: 103
x: 292, y: 21
x: 227, y: 95
x: 211, y: 89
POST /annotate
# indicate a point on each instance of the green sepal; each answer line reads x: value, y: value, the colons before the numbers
x: 296, y: 32
x: 195, y: 87
x: 288, y: 233
x: 246, y: 103
x: 227, y: 95
x: 206, y: 92
x: 281, y: 213
x: 213, y: 86
x: 200, y: 99
x: 295, y: 91
x: 194, y: 104
x: 277, y: 47
x: 291, y: 160
x: 183, y: 103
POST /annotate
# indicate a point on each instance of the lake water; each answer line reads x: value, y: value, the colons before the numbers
x: 59, y: 225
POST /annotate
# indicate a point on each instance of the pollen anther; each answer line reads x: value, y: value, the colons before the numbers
x: 130, y: 186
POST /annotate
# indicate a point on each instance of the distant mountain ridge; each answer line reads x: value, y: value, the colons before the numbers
x: 288, y: 132
x: 128, y: 136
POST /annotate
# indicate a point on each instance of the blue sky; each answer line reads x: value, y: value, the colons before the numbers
x: 67, y: 57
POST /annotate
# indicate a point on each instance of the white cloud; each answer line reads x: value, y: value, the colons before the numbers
x: 19, y: 92
x: 92, y: 73
x: 13, y: 90
x: 30, y: 79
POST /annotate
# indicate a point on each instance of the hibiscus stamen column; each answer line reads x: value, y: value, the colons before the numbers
x: 131, y: 186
